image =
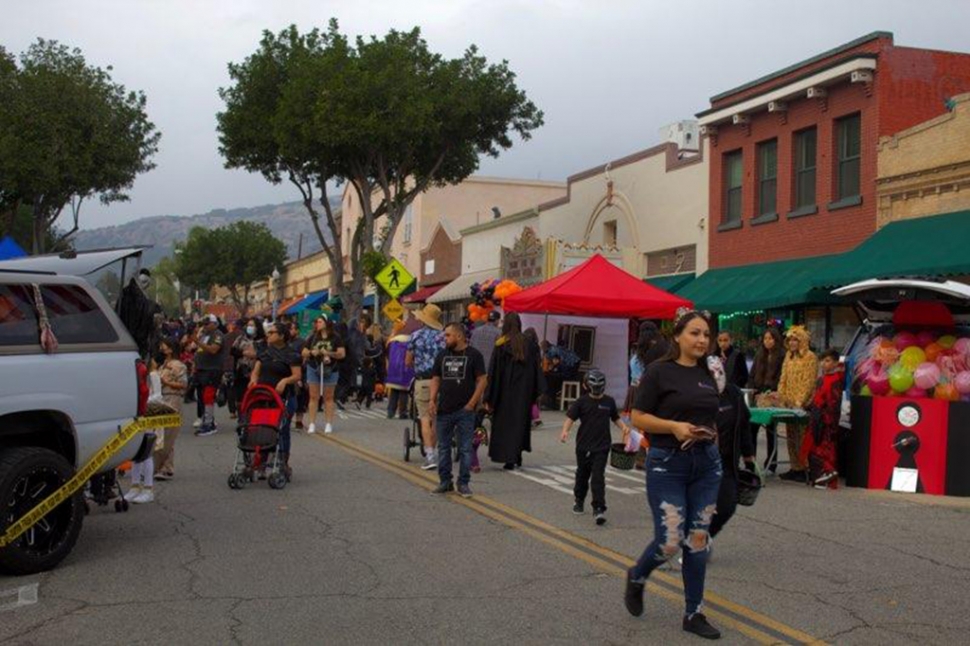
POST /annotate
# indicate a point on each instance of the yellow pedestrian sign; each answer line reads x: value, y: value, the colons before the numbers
x: 394, y: 278
x: 394, y: 310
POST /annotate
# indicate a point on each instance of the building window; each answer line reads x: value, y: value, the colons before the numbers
x: 733, y: 174
x: 848, y: 136
x: 609, y: 233
x: 805, y: 168
x: 408, y: 224
x: 767, y: 176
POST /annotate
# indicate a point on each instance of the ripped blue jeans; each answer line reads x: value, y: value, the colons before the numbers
x: 682, y: 491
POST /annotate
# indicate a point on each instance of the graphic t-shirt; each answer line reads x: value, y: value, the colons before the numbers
x: 594, y: 417
x: 458, y: 371
x: 323, y: 344
x: 205, y: 360
x: 677, y: 393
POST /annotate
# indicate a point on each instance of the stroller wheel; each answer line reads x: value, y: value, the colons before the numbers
x: 407, y: 444
x: 277, y: 481
x: 236, y: 481
x: 118, y: 506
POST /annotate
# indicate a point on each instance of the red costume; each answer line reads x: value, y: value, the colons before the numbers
x: 821, y: 441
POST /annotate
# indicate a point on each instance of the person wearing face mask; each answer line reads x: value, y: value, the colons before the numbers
x: 244, y: 350
x: 677, y: 405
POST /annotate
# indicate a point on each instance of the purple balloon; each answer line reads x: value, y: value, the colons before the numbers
x: 926, y: 375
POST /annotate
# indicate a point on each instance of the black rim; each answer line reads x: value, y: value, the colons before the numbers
x: 51, y: 530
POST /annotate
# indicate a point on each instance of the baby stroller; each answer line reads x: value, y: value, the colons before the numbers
x: 260, y: 416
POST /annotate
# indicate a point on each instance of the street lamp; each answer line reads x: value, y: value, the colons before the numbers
x: 276, y: 290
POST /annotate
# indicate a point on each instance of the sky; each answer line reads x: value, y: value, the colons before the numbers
x: 607, y: 73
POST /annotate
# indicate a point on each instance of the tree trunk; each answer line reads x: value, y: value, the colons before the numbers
x: 39, y: 231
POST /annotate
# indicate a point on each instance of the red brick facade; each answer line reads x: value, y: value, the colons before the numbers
x: 909, y: 86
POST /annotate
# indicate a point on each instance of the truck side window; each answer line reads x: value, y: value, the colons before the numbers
x: 18, y: 320
x: 75, y: 317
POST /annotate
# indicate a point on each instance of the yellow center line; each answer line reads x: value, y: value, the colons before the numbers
x: 570, y: 543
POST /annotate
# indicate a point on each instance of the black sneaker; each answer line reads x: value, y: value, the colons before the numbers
x: 633, y: 597
x: 697, y: 624
x: 464, y: 491
x: 794, y: 476
x: 206, y: 431
x: 578, y: 508
x: 444, y: 487
x: 600, y: 516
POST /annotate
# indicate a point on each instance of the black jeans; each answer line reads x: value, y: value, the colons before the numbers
x: 727, y: 502
x: 397, y: 401
x: 591, y: 467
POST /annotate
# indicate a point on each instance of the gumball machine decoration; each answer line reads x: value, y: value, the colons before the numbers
x: 913, y: 379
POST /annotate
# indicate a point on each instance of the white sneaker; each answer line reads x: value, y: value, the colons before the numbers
x: 311, y: 429
x: 197, y: 423
x: 431, y: 461
x: 328, y: 429
x: 134, y: 492
x: 147, y: 495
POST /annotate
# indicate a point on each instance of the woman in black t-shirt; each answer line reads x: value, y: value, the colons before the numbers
x: 278, y: 365
x: 677, y: 405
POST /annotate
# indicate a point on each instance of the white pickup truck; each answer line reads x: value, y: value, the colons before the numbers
x: 58, y: 408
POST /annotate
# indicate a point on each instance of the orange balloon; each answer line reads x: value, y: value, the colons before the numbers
x: 948, y: 392
x: 933, y: 351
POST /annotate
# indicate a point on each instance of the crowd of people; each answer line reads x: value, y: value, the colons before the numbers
x: 686, y: 400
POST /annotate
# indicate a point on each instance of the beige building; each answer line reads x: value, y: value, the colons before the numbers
x: 925, y: 170
x: 652, y: 203
x: 474, y: 201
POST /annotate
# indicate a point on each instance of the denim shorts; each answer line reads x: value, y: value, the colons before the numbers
x: 313, y: 376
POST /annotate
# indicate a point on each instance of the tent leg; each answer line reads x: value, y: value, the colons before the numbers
x: 545, y: 327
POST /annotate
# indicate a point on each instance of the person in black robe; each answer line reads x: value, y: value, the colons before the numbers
x: 514, y: 384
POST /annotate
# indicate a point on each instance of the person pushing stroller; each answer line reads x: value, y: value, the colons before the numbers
x: 594, y: 410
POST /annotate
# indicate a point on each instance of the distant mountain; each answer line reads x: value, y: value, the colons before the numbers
x: 286, y: 221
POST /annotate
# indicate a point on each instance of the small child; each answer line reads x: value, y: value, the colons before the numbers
x: 594, y: 410
x: 368, y: 380
x: 824, y: 409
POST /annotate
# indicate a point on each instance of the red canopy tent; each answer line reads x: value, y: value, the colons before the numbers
x: 597, y: 288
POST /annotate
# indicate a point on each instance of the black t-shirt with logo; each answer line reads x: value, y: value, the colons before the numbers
x: 677, y: 393
x: 458, y: 371
x: 594, y: 417
x: 324, y: 344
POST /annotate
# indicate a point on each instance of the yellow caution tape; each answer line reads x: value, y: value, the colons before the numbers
x: 93, y: 465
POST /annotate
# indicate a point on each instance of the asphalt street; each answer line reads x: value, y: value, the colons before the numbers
x: 356, y: 550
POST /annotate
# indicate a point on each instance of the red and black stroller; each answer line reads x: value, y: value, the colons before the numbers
x: 260, y: 416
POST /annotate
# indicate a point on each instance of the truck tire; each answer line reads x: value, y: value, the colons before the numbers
x: 28, y: 475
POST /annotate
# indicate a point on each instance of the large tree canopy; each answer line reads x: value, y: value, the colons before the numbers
x: 67, y: 133
x: 385, y: 114
x: 233, y: 256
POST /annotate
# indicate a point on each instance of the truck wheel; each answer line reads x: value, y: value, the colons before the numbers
x: 28, y: 475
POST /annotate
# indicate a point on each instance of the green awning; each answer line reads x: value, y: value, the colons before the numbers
x: 758, y: 287
x: 671, y: 284
x: 934, y: 246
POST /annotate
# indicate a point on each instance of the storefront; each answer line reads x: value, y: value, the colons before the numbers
x: 456, y: 296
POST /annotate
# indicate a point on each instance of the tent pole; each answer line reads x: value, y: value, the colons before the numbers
x: 545, y: 327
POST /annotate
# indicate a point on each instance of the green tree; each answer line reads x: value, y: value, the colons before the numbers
x: 67, y: 133
x: 165, y: 277
x: 385, y: 114
x: 234, y: 256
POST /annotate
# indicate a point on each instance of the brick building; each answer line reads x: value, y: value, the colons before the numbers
x: 793, y: 177
x: 793, y: 154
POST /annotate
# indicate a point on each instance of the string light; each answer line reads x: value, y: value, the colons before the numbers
x: 722, y: 318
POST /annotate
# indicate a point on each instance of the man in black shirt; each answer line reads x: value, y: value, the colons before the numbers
x: 594, y: 410
x: 457, y: 384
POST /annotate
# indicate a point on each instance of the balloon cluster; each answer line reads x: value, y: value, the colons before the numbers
x: 917, y: 365
x: 486, y: 295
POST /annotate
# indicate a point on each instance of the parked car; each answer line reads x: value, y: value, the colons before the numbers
x: 57, y: 409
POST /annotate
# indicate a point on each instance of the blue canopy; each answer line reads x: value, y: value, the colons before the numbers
x: 10, y: 249
x: 311, y: 301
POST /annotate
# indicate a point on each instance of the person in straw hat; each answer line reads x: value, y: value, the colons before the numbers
x: 424, y: 345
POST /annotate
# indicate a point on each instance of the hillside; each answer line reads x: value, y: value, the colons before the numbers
x: 286, y: 221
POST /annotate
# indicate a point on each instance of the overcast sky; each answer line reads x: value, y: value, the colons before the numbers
x: 607, y: 73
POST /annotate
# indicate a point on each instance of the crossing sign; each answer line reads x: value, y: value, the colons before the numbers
x: 394, y: 278
x: 393, y: 310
